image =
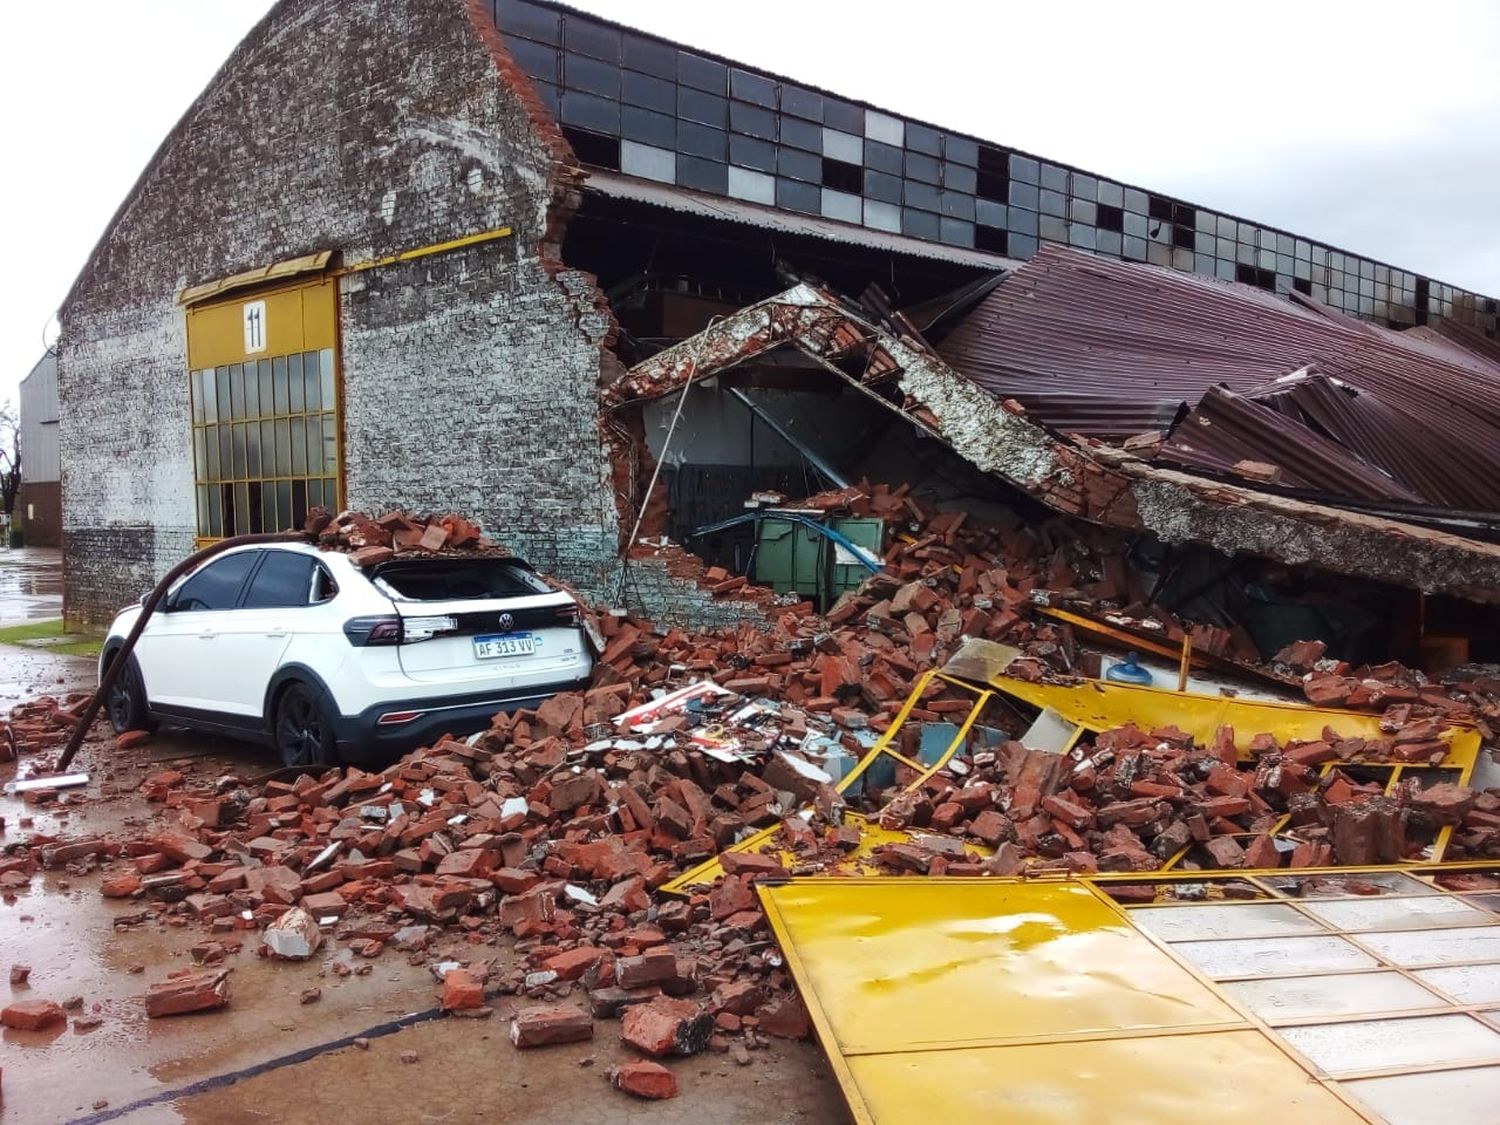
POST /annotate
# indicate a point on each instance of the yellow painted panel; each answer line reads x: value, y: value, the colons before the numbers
x: 1225, y: 1077
x: 1101, y: 705
x: 871, y: 836
x: 900, y: 963
x: 298, y: 318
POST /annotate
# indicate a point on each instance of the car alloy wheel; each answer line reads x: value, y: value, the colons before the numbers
x: 302, y: 733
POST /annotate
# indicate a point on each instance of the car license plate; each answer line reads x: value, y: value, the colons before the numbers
x: 497, y: 645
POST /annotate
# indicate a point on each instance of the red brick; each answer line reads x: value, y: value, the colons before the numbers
x: 190, y: 992
x: 644, y: 1079
x: 571, y: 964
x: 666, y: 1027
x: 542, y: 1027
x: 32, y: 1015
x: 462, y: 991
x: 654, y: 966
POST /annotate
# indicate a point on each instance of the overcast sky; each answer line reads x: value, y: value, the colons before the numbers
x: 1372, y: 126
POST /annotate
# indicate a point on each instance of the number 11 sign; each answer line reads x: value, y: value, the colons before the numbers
x: 255, y: 326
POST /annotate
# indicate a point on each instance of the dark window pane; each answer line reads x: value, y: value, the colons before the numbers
x: 803, y: 103
x: 960, y: 177
x: 695, y: 105
x: 589, y: 112
x: 843, y: 116
x: 537, y: 60
x: 955, y: 232
x: 700, y: 140
x: 754, y: 120
x: 992, y: 239
x: 750, y: 153
x: 880, y: 186
x: 958, y: 205
x: 650, y: 128
x: 1023, y: 195
x: 1182, y: 237
x: 923, y: 196
x: 1110, y: 218
x: 923, y: 168
x: 799, y: 165
x: 593, y: 148
x: 217, y: 585
x: 591, y: 76
x: 705, y: 74
x: 919, y: 224
x: 802, y: 134
x: 794, y: 196
x: 583, y: 35
x: 920, y: 138
x: 882, y: 157
x: 517, y: 17
x: 1160, y: 209
x: 705, y: 175
x: 645, y: 90
x: 284, y: 579
x: 752, y: 88
x: 960, y: 150
x: 1183, y: 215
x: 651, y: 56
x: 842, y: 176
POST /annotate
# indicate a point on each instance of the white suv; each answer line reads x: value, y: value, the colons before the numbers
x: 297, y: 647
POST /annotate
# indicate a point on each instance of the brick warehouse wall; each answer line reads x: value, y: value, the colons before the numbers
x: 366, y: 127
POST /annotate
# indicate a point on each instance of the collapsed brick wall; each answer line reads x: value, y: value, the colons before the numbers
x: 366, y: 127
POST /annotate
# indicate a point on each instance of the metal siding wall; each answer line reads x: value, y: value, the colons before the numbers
x: 40, y: 461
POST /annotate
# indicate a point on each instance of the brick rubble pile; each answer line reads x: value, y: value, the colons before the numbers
x: 539, y: 845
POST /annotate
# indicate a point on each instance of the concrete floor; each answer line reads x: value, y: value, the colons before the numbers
x: 267, y: 1057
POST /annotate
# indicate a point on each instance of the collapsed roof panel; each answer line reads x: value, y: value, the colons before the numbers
x: 1103, y: 485
x: 1106, y: 348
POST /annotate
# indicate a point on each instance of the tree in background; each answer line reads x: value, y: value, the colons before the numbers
x: 10, y: 458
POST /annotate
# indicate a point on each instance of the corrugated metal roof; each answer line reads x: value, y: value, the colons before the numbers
x: 1109, y: 348
x: 692, y: 202
x: 1226, y: 428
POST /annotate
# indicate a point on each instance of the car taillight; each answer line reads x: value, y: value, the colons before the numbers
x: 569, y: 615
x: 368, y: 631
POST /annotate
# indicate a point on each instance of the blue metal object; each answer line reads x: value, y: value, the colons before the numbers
x: 812, y: 525
x: 1129, y: 671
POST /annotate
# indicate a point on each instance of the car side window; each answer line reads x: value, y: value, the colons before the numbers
x: 285, y: 579
x: 217, y: 585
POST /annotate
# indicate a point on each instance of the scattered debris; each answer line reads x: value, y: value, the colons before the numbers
x: 186, y: 991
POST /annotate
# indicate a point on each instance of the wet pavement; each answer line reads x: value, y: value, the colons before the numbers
x: 267, y: 1057
x: 30, y: 585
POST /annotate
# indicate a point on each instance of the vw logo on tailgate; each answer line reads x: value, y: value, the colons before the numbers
x: 507, y: 622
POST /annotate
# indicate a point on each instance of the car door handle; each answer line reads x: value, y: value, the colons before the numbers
x: 207, y: 636
x: 277, y: 635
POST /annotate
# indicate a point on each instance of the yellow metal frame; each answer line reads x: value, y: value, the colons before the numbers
x: 712, y: 869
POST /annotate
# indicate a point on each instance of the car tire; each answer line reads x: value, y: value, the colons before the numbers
x: 126, y: 702
x: 302, y: 729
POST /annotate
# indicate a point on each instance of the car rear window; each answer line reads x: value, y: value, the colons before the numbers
x: 437, y: 580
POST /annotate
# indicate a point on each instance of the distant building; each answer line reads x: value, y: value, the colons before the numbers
x: 39, y: 503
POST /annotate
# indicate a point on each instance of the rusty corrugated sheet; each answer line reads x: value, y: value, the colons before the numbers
x: 1108, y: 348
x: 1225, y: 428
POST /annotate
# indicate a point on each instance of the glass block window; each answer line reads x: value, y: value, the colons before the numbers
x: 265, y: 443
x: 263, y: 396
